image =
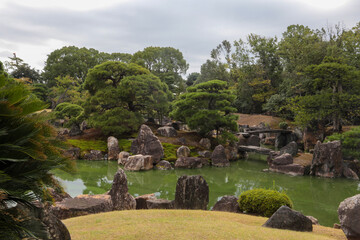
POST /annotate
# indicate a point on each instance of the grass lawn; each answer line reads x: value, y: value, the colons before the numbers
x: 184, y: 224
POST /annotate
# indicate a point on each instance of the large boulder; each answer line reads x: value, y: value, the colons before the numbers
x: 227, y: 204
x: 147, y: 143
x: 349, y: 216
x: 113, y: 148
x: 183, y: 151
x: 192, y: 192
x: 164, y: 165
x: 327, y: 160
x: 94, y: 155
x: 159, y: 204
x: 205, y: 143
x: 139, y: 162
x: 121, y: 198
x: 283, y: 139
x: 188, y: 162
x: 291, y: 148
x: 82, y: 205
x: 141, y: 200
x: 167, y: 131
x: 283, y: 159
x: 286, y: 218
x: 218, y: 157
x: 123, y: 157
x: 253, y: 140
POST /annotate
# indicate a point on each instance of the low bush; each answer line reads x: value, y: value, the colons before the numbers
x: 283, y: 125
x: 263, y: 202
x: 170, y: 151
x: 86, y: 145
x: 350, y: 142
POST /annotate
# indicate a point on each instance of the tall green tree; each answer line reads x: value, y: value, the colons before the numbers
x: 28, y: 152
x: 122, y: 95
x: 334, y: 96
x: 206, y: 107
x: 167, y: 63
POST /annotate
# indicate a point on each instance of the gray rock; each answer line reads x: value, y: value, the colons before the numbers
x: 75, y: 131
x: 159, y: 204
x: 72, y: 153
x: 139, y: 162
x: 286, y: 218
x: 205, y: 154
x: 141, y: 200
x: 327, y: 160
x: 188, y: 162
x: 164, y: 165
x: 121, y: 198
x: 192, y: 192
x: 231, y: 153
x: 82, y: 205
x: 147, y: 144
x: 94, y: 155
x: 349, y: 173
x: 123, y: 157
x: 253, y: 140
x: 283, y: 159
x: 113, y: 148
x: 313, y: 220
x: 290, y: 169
x: 349, y: 216
x: 205, y: 143
x: 167, y: 131
x: 218, y: 157
x: 183, y: 151
x: 282, y: 139
x: 83, y: 126
x: 291, y: 148
x: 227, y: 204
x: 58, y: 196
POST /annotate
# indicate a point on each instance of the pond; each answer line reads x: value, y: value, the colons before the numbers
x: 318, y: 197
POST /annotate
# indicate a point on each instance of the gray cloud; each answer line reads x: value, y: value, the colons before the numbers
x: 194, y: 27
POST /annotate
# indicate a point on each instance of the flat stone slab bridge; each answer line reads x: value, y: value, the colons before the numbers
x: 268, y: 131
x: 255, y: 149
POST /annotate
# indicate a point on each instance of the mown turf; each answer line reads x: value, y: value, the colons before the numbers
x: 184, y: 224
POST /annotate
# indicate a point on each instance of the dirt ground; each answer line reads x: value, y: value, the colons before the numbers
x: 256, y: 119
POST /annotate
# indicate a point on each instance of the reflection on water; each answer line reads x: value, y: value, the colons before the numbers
x: 313, y: 196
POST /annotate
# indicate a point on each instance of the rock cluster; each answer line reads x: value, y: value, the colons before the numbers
x: 147, y: 143
x: 349, y: 217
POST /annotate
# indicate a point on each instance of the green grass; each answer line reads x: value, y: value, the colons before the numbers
x: 184, y: 224
x: 87, y: 145
x: 170, y: 151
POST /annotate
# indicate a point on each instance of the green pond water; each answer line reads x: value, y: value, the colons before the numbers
x: 319, y: 197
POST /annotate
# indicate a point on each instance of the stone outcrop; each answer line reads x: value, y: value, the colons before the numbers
x: 164, y: 165
x: 205, y: 154
x: 290, y: 169
x: 167, y: 131
x: 123, y: 157
x: 121, y: 198
x: 159, y: 204
x: 139, y: 162
x: 283, y: 139
x: 253, y: 140
x: 227, y: 204
x: 141, y: 200
x: 327, y: 160
x: 57, y: 196
x: 349, y: 173
x: 82, y: 205
x: 313, y: 220
x: 205, y: 143
x: 183, y: 151
x: 231, y: 153
x: 349, y: 216
x: 113, y: 148
x: 72, y: 153
x: 291, y: 148
x: 75, y: 131
x: 147, y: 143
x: 188, y: 162
x: 286, y: 218
x: 94, y: 155
x: 283, y: 159
x: 192, y: 192
x: 218, y: 157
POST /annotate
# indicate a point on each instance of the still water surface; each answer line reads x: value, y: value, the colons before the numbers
x: 314, y: 196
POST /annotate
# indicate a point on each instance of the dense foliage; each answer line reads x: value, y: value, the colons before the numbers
x: 350, y: 142
x: 206, y: 107
x: 263, y: 202
x: 28, y: 151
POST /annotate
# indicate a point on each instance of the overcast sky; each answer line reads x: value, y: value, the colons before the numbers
x: 34, y: 28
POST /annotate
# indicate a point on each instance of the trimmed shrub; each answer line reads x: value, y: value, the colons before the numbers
x: 283, y: 125
x: 350, y: 142
x: 262, y: 201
